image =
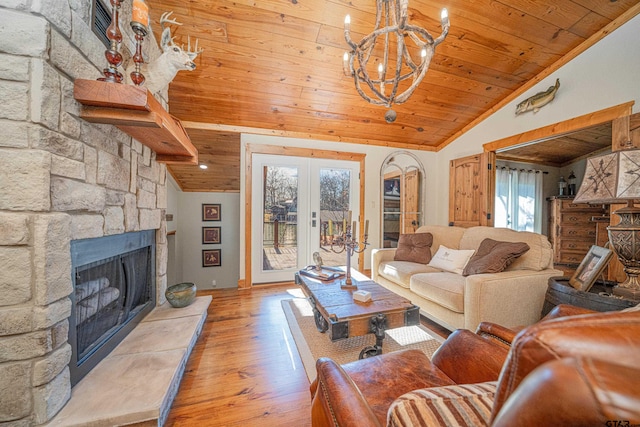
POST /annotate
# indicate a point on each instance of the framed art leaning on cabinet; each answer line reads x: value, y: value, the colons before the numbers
x: 590, y: 268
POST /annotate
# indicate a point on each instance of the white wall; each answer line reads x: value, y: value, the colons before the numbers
x: 174, y: 268
x: 604, y: 76
x: 185, y: 264
x: 373, y: 161
x: 172, y: 203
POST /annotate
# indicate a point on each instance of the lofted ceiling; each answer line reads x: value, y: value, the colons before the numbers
x: 274, y: 67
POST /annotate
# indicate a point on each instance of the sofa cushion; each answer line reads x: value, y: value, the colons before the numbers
x: 444, y: 288
x: 452, y: 260
x: 414, y: 248
x: 400, y: 272
x: 454, y: 405
x: 537, y: 258
x: 443, y: 235
x: 493, y: 256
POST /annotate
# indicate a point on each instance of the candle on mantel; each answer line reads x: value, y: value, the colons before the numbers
x: 140, y: 12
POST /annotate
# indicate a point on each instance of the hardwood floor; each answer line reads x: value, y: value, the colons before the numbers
x: 245, y: 369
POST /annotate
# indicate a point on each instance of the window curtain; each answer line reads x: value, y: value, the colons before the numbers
x: 518, y: 199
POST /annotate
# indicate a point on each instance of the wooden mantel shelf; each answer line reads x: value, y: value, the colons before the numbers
x: 135, y: 111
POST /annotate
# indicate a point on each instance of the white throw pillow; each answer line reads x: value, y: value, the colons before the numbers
x: 453, y: 260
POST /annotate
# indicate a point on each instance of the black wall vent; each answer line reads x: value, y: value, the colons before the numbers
x: 101, y: 21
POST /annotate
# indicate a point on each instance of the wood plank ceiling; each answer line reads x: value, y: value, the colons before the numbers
x: 275, y: 67
x: 562, y: 150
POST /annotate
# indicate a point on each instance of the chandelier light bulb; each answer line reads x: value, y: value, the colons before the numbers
x: 345, y: 64
x: 443, y: 15
x: 203, y: 166
x: 347, y: 22
x: 423, y: 52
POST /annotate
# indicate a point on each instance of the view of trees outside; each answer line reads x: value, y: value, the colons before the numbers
x: 334, y: 193
x: 281, y: 191
x: 281, y: 208
x: 334, y: 207
x: 280, y: 187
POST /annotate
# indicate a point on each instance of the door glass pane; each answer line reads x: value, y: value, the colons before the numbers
x: 335, y: 192
x: 280, y: 231
x: 392, y: 207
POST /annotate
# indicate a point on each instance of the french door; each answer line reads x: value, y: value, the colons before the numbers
x: 299, y: 205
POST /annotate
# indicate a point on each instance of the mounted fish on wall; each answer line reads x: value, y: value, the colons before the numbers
x: 539, y: 100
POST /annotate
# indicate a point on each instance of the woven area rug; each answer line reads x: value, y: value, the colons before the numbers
x: 313, y: 344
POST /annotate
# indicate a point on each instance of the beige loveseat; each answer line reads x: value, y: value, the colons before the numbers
x: 512, y: 297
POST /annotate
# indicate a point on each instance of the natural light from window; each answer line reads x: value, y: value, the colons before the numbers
x: 518, y: 199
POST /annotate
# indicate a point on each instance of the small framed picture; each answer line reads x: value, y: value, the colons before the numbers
x: 590, y: 268
x: 211, y: 235
x: 211, y: 258
x: 211, y: 212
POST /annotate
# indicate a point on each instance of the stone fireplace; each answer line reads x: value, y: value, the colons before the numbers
x: 62, y: 180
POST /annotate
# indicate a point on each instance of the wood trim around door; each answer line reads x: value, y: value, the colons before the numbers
x: 250, y: 150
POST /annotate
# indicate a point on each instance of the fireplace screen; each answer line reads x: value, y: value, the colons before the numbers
x: 113, y: 290
x: 107, y: 294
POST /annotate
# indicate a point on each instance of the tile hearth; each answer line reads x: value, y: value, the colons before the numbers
x: 138, y: 381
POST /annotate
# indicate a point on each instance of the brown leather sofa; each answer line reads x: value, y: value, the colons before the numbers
x: 578, y: 370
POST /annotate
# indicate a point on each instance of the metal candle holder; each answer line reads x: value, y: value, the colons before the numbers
x: 114, y: 58
x: 347, y: 243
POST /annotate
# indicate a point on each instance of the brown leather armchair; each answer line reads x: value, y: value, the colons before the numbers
x: 576, y: 370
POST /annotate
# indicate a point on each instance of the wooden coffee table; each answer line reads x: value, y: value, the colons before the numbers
x: 336, y: 311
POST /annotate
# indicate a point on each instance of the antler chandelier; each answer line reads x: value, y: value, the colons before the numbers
x: 396, y: 69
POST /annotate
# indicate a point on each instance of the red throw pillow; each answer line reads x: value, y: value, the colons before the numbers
x: 414, y: 248
x: 493, y: 256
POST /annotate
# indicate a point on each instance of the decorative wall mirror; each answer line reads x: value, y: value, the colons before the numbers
x: 402, y: 183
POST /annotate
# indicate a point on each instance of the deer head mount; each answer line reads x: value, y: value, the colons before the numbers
x: 160, y: 72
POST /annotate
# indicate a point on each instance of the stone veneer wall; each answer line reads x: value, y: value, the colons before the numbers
x: 61, y: 179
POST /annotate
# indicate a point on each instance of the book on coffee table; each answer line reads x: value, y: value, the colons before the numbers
x: 324, y: 274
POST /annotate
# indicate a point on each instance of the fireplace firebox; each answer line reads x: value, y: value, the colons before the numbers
x: 114, y: 288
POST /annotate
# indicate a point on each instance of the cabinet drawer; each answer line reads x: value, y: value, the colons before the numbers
x: 568, y: 205
x: 585, y: 232
x: 576, y: 218
x: 576, y: 245
x: 570, y: 257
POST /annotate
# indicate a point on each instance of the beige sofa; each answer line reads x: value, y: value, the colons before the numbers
x: 512, y: 297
